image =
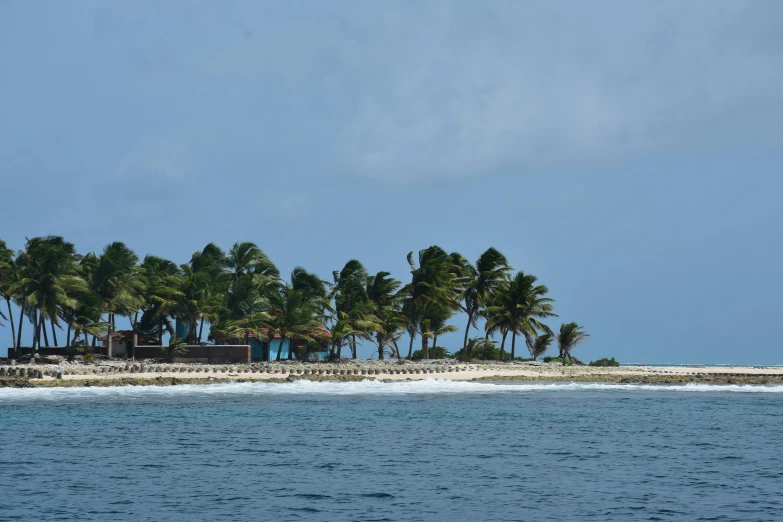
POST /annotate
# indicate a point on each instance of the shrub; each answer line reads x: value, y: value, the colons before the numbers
x: 557, y: 360
x: 490, y: 353
x: 604, y: 362
x: 436, y: 352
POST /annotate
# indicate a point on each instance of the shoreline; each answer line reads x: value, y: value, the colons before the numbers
x: 122, y: 373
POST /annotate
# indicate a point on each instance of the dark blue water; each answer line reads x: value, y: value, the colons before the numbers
x: 406, y: 451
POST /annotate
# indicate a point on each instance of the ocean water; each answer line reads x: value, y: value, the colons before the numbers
x: 429, y: 450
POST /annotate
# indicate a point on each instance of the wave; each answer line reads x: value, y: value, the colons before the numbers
x: 364, y: 388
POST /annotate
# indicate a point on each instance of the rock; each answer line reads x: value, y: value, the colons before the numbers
x: 50, y: 359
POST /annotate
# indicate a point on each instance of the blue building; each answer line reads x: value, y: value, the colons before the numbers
x: 261, y: 350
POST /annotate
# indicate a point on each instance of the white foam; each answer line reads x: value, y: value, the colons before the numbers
x: 361, y: 388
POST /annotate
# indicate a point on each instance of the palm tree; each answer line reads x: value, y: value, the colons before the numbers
x: 383, y: 301
x: 350, y: 298
x: 213, y: 262
x: 243, y: 310
x: 569, y: 336
x: 540, y: 345
x: 520, y: 304
x: 85, y: 318
x: 48, y: 279
x: 342, y: 331
x: 7, y: 278
x: 432, y: 296
x: 294, y: 318
x: 435, y: 325
x: 193, y: 299
x: 473, y: 347
x: 118, y: 281
x: 247, y: 258
x: 483, y: 281
x: 161, y: 294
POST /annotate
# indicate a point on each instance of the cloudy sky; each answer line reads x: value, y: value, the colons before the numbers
x: 629, y: 153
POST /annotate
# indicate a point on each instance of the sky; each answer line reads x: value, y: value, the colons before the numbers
x: 628, y: 153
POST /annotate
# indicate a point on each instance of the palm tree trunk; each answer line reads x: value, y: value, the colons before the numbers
x: 353, y: 347
x: 410, y: 349
x: 68, y: 336
x: 279, y: 348
x: 513, y: 344
x: 467, y: 331
x: 54, y: 333
x: 19, y: 333
x: 503, y: 346
x: 160, y: 331
x: 380, y: 347
x: 36, y: 331
x: 435, y: 344
x: 486, y: 345
x: 396, y: 349
x: 11, y: 320
x: 109, y: 335
x: 425, y: 352
x: 201, y: 330
x: 42, y: 326
x: 340, y: 350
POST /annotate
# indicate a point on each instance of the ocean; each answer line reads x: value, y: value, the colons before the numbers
x: 368, y: 451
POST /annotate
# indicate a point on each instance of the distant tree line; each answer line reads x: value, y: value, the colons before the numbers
x: 240, y: 293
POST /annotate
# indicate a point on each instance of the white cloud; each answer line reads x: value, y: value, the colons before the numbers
x: 167, y: 154
x: 531, y: 86
x: 405, y: 90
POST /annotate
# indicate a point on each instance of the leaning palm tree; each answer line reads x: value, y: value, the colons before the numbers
x: 482, y: 281
x: 540, y: 345
x: 569, y: 336
x: 475, y: 346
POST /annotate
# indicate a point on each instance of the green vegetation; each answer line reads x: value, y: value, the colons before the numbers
x: 226, y: 297
x: 436, y: 352
x: 557, y: 360
x: 569, y: 336
x: 604, y: 362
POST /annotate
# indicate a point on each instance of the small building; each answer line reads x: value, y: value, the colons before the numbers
x: 122, y: 343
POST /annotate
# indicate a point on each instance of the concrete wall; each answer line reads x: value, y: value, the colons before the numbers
x: 210, y: 353
x: 215, y: 354
x: 50, y: 350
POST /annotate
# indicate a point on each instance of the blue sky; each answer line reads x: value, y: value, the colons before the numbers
x: 628, y: 153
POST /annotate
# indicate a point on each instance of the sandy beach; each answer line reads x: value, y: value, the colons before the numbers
x: 114, y: 373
